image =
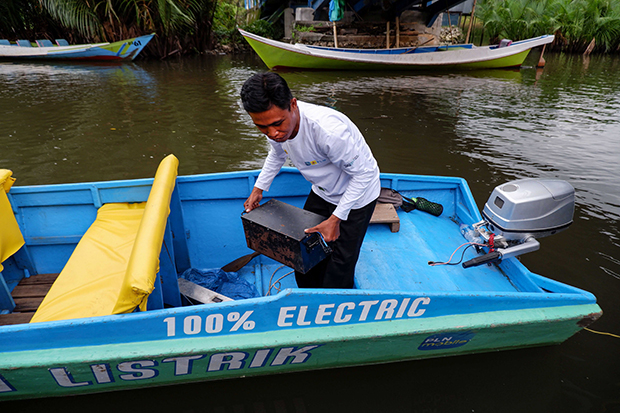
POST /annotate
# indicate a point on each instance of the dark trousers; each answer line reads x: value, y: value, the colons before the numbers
x: 337, y: 270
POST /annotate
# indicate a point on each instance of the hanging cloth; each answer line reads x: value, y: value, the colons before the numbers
x: 336, y: 10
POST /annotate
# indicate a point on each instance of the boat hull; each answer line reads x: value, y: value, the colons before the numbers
x: 282, y: 55
x: 117, y: 51
x: 92, y: 369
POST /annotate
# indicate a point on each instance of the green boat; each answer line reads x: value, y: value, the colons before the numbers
x: 277, y: 54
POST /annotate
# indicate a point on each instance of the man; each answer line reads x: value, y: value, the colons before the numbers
x: 331, y: 153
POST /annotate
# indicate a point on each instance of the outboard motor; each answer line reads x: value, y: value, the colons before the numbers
x: 520, y: 211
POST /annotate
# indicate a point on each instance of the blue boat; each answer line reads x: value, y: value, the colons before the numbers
x: 103, y: 284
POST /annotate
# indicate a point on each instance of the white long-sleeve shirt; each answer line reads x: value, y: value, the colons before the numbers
x: 331, y: 153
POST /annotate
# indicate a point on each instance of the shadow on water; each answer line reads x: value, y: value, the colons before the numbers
x: 68, y: 124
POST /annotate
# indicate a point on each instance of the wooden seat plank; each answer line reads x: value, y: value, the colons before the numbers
x: 28, y: 295
x: 39, y: 279
x: 15, y: 318
x: 386, y: 214
x: 28, y: 304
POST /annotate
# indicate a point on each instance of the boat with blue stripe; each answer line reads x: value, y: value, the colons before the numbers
x: 280, y: 55
x: 94, y: 288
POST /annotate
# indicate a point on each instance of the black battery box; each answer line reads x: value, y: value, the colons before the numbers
x: 276, y: 230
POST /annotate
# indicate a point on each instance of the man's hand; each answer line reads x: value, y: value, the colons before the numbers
x: 330, y: 229
x: 253, y: 200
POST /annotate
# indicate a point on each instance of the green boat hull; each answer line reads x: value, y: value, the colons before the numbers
x: 278, y: 58
x: 92, y: 369
x: 277, y: 54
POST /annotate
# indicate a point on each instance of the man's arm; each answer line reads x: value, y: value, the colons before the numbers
x: 273, y: 163
x: 253, y: 200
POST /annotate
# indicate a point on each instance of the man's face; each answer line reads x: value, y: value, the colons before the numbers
x: 278, y: 124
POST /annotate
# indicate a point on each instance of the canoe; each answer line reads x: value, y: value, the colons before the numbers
x: 277, y: 54
x: 123, y: 313
x: 122, y: 50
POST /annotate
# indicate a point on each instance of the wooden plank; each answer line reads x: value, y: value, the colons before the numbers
x: 39, y: 279
x: 33, y: 290
x: 28, y: 295
x: 27, y: 304
x: 386, y: 214
x: 15, y: 318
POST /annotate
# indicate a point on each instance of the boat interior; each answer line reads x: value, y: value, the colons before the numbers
x: 80, y: 243
x: 397, y: 51
x: 38, y: 43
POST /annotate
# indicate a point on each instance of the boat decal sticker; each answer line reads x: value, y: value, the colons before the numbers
x: 102, y: 373
x: 373, y: 310
x: 137, y: 373
x: 64, y: 378
x: 297, y: 316
x: 183, y: 365
x: 77, y: 375
x: 5, y: 386
x: 213, y: 323
x: 446, y: 340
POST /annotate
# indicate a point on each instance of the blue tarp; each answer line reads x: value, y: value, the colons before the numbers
x: 226, y: 283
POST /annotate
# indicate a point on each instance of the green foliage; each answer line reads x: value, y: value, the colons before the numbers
x: 574, y: 22
x: 230, y: 15
x: 300, y: 28
x: 263, y: 28
x: 75, y: 14
x: 114, y: 18
x: 23, y: 19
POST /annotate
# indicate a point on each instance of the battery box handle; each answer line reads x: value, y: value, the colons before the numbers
x: 318, y: 240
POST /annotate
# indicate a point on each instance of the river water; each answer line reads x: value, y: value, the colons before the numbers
x: 72, y: 123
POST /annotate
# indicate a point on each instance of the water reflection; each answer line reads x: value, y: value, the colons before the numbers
x: 558, y: 126
x: 107, y: 117
x: 76, y: 123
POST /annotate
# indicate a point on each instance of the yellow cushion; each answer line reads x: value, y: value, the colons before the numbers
x: 93, y: 279
x: 11, y: 239
x: 114, y: 266
x: 144, y: 261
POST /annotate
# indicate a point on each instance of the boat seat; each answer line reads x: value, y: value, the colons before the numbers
x: 62, y: 42
x: 45, y: 43
x: 114, y: 266
x: 24, y: 43
x: 11, y: 238
x: 4, y: 42
x: 386, y: 214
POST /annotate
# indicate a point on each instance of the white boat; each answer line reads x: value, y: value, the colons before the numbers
x: 45, y: 50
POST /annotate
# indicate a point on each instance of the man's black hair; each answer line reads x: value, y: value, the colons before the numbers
x: 263, y: 90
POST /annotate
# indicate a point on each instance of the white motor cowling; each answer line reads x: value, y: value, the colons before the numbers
x: 530, y: 208
x: 520, y: 211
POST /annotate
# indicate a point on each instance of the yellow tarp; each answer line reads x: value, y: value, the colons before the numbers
x: 114, y: 267
x: 11, y: 239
